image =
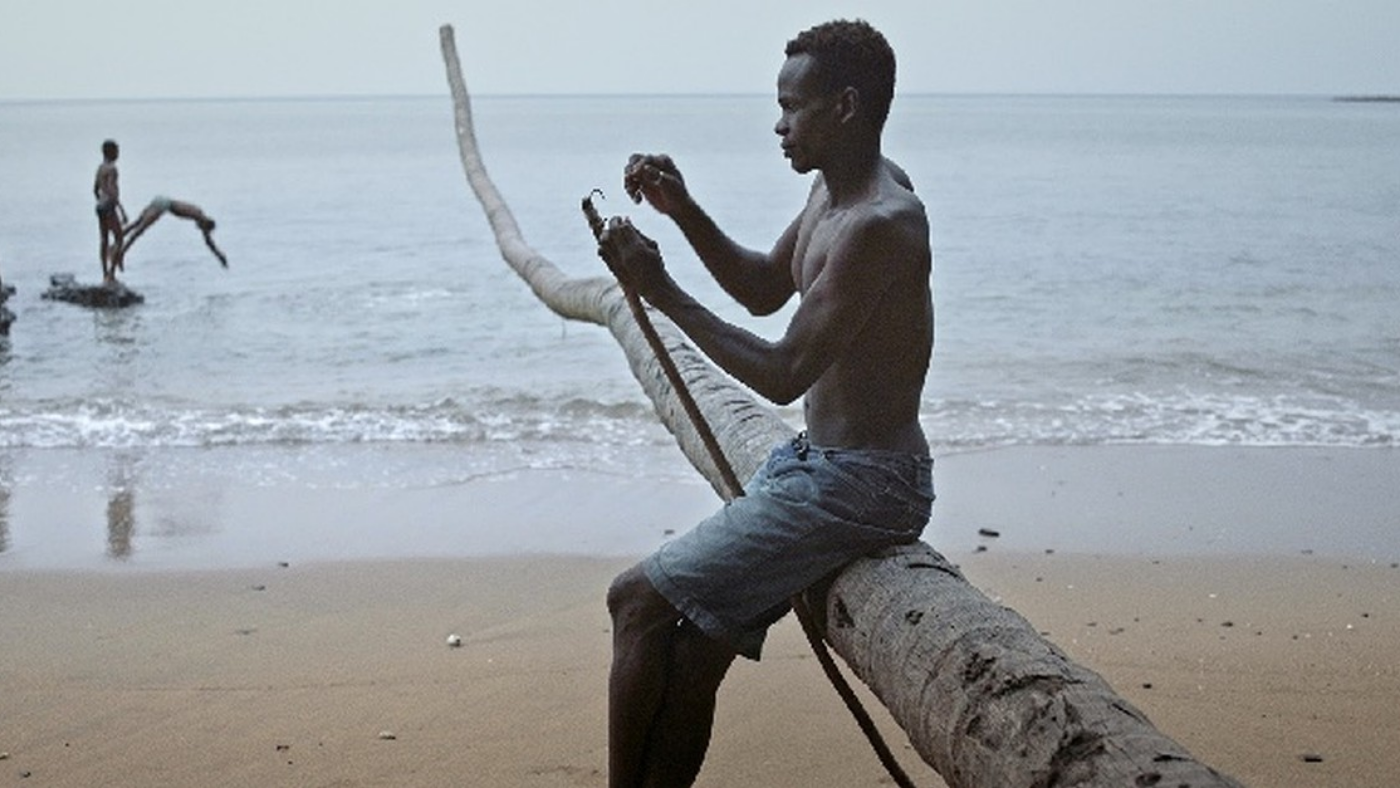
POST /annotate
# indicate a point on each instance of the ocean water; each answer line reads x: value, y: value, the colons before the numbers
x: 1170, y: 270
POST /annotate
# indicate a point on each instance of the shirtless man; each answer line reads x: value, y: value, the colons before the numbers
x: 157, y: 208
x: 110, y: 213
x: 858, y: 348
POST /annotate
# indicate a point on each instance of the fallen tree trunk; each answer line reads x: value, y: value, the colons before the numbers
x: 984, y: 699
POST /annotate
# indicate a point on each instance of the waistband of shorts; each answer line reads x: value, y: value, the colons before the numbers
x: 800, y: 446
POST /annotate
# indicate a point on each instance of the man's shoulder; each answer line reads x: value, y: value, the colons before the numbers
x: 890, y: 231
x: 893, y: 214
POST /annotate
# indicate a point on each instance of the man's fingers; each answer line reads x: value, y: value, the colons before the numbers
x: 646, y: 170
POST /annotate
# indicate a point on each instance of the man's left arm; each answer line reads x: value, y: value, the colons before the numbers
x: 833, y: 310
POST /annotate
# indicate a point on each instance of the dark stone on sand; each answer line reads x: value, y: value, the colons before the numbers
x: 64, y: 287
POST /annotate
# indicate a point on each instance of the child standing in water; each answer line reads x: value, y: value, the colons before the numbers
x: 110, y: 213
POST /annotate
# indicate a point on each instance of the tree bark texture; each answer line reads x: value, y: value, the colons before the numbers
x: 983, y: 698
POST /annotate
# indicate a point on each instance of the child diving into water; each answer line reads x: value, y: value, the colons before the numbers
x: 157, y: 208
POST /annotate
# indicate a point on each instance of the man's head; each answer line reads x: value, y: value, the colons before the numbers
x: 851, y: 54
x: 109, y: 150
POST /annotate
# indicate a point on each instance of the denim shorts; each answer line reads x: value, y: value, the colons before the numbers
x: 806, y: 513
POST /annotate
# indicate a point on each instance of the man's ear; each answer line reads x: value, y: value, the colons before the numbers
x: 847, y: 104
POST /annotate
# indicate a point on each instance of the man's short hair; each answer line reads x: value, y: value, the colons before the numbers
x: 109, y: 148
x: 851, y: 54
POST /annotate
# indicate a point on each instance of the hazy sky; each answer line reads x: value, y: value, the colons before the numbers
x: 62, y: 49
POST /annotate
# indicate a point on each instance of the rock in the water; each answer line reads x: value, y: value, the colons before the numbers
x: 6, y: 316
x: 63, y: 287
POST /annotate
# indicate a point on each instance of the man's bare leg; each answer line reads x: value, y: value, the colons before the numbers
x: 109, y: 250
x: 680, y: 735
x: 129, y: 234
x: 104, y: 253
x: 661, y: 691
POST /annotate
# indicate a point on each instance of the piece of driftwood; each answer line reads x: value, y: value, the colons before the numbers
x: 114, y: 295
x: 983, y: 698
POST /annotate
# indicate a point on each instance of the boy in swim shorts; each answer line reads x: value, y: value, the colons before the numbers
x: 110, y: 213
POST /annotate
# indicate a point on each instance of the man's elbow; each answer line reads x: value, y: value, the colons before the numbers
x: 762, y: 308
x: 763, y: 294
x: 783, y: 396
x: 785, y: 390
x: 766, y: 304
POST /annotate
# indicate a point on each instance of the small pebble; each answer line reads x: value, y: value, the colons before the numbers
x: 387, y: 736
x: 454, y: 641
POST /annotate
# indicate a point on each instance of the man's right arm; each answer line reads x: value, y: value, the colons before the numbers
x: 762, y: 283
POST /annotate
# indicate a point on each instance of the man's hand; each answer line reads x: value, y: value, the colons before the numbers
x: 632, y: 257
x: 655, y: 178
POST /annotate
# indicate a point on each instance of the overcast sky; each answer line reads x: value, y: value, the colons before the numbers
x: 66, y: 49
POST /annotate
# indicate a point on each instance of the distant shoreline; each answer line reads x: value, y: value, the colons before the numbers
x: 1379, y: 99
x: 21, y: 101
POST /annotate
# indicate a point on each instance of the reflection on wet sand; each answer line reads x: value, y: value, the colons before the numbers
x: 5, y: 475
x: 4, y: 507
x: 121, y: 507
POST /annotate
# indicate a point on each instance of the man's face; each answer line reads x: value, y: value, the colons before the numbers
x: 807, y: 116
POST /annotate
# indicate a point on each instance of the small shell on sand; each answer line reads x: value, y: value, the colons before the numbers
x: 454, y: 641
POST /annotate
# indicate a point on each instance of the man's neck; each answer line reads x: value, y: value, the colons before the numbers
x: 850, y: 172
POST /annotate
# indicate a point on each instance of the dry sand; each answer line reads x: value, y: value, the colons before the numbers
x: 1280, y: 669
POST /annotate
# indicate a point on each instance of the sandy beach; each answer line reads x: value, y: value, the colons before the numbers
x: 1271, y: 657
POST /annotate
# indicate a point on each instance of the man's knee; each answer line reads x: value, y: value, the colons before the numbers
x: 632, y: 599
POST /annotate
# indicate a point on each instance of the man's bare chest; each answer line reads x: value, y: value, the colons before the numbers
x: 816, y: 238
